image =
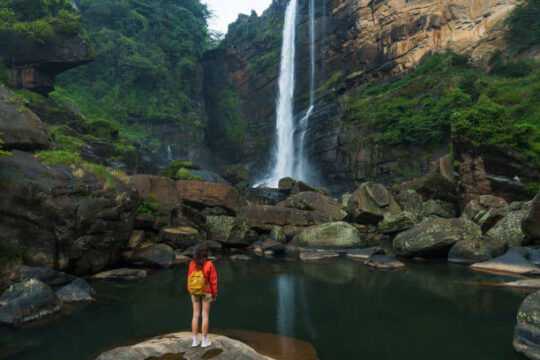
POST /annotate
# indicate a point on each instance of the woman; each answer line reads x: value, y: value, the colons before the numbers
x: 200, y: 263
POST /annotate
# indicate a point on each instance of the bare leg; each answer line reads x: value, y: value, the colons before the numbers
x: 195, y: 319
x: 205, y: 315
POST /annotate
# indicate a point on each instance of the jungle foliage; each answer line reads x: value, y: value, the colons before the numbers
x: 147, y: 67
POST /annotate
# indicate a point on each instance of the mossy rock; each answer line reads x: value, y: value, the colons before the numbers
x: 102, y: 129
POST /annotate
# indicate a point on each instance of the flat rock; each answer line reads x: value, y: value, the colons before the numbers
x: 78, y: 291
x: 179, y: 236
x: 223, y: 348
x: 524, y: 284
x: 265, y: 217
x: 26, y: 301
x: 383, y: 262
x: 511, y: 262
x: 317, y: 255
x: 122, y: 274
x: 240, y: 257
x: 527, y: 330
x: 362, y: 254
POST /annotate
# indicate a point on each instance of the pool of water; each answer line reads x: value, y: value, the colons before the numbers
x: 342, y: 308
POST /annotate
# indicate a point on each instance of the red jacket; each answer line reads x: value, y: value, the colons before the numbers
x: 210, y: 276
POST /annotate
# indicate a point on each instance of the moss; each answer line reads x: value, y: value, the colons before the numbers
x: 149, y: 206
x: 102, y: 129
x: 532, y: 188
x: 59, y: 157
x: 184, y: 174
x: 61, y: 136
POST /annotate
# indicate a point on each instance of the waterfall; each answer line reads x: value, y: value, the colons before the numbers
x: 169, y: 154
x: 285, y: 151
x: 302, y: 170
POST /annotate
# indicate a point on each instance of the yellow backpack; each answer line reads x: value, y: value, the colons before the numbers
x: 196, y: 283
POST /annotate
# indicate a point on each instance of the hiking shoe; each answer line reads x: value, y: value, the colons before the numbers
x: 195, y: 343
x: 206, y: 343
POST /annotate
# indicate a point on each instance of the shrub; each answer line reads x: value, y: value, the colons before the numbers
x: 59, y: 157
x: 523, y: 25
x: 149, y: 206
x: 184, y: 174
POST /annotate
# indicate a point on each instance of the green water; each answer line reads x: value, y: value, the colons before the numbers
x: 347, y: 311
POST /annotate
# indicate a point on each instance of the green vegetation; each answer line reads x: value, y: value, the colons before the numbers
x: 524, y: 25
x: 445, y: 94
x: 176, y: 165
x: 184, y: 174
x: 149, y: 206
x: 3, y: 152
x: 62, y: 157
x: 235, y: 125
x: 24, y: 23
x: 532, y: 188
x: 148, y: 67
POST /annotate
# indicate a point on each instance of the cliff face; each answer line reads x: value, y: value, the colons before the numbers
x: 36, y: 67
x: 356, y: 41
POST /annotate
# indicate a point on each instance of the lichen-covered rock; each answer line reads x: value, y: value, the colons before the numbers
x: 22, y: 273
x: 472, y: 251
x: 27, y: 301
x: 331, y: 235
x: 527, y: 330
x: 370, y: 202
x: 435, y: 237
x: 486, y: 211
x: 309, y: 200
x: 531, y: 221
x: 21, y: 129
x: 159, y: 255
x: 393, y: 223
x: 68, y: 219
x: 508, y: 230
x: 78, y: 291
x: 439, y: 208
x: 223, y: 348
x: 227, y: 229
x: 278, y: 234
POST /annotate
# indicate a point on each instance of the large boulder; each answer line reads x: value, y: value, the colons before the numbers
x: 438, y: 208
x: 432, y: 187
x: 19, y: 127
x: 393, y: 223
x: 331, y: 235
x: 22, y: 273
x: 227, y: 229
x: 435, y: 237
x: 472, y: 251
x: 513, y: 262
x: 527, y: 330
x: 27, y: 301
x: 78, y: 291
x: 265, y: 217
x: 155, y: 188
x: 286, y: 184
x: 309, y: 200
x: 508, y: 232
x: 370, y: 202
x: 208, y: 194
x: 263, y: 196
x: 161, y: 347
x: 486, y: 211
x: 68, y: 219
x: 531, y: 221
x: 159, y: 255
x: 180, y: 236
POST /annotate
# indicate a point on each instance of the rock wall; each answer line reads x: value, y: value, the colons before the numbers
x: 362, y: 40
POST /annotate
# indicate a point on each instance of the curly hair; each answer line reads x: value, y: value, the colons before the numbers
x: 201, y: 254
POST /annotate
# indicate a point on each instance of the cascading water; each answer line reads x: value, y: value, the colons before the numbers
x: 285, y: 152
x: 302, y: 170
x: 289, y: 159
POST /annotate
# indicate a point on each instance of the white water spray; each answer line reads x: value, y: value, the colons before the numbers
x: 302, y: 170
x: 285, y: 152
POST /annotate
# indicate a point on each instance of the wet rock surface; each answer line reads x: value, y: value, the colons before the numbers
x: 383, y: 262
x: 223, y: 348
x: 159, y: 255
x: 122, y: 274
x: 527, y: 330
x: 27, y: 301
x: 472, y: 251
x: 511, y: 262
x: 78, y: 291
